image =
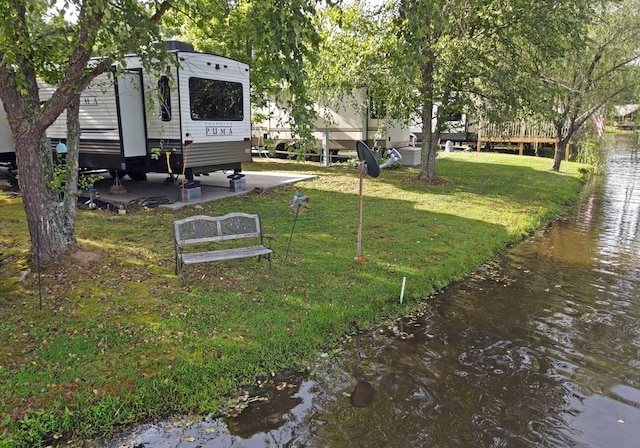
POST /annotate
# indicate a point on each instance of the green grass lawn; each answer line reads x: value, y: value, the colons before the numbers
x: 120, y: 340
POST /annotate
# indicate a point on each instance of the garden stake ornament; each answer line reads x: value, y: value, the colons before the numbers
x: 297, y: 204
x: 369, y: 165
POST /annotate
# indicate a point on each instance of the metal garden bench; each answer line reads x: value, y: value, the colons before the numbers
x: 193, y: 237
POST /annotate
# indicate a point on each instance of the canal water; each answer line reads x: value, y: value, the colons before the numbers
x: 540, y: 348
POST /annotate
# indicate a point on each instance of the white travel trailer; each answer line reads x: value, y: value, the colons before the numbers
x: 342, y: 125
x: 193, y: 119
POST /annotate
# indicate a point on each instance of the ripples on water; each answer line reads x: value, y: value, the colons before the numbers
x: 540, y: 350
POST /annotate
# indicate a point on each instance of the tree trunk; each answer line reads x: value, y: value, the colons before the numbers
x: 564, y: 135
x: 429, y: 147
x: 50, y: 236
x: 429, y: 138
x: 559, y: 152
x: 71, y: 164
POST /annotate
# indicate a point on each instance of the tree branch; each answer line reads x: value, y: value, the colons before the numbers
x: 78, y: 75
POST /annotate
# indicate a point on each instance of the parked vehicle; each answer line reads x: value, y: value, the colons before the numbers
x: 194, y: 118
x: 340, y: 126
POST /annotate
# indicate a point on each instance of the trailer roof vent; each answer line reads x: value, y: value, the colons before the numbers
x: 178, y: 45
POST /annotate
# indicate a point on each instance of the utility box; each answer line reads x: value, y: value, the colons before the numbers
x: 237, y: 184
x: 410, y: 156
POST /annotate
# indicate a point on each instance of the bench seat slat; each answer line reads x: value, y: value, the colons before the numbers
x: 226, y: 254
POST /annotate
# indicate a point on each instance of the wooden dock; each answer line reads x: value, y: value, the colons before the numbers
x: 518, y: 134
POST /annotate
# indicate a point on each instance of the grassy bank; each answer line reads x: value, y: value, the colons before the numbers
x: 120, y: 340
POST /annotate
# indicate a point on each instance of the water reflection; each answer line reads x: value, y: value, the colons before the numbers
x: 539, y: 349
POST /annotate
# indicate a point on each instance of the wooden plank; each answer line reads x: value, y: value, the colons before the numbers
x: 225, y: 254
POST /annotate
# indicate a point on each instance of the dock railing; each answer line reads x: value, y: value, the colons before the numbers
x: 518, y: 133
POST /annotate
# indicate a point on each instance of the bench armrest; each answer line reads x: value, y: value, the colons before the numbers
x: 269, y: 238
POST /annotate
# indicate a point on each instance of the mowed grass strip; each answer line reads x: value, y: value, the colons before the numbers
x: 120, y: 340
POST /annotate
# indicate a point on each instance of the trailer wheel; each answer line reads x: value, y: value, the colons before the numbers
x: 137, y: 175
x: 280, y: 151
x: 12, y: 177
x: 294, y: 150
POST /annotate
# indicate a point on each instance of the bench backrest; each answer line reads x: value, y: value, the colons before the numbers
x: 204, y: 229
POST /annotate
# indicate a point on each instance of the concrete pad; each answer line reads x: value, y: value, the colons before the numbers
x: 212, y: 187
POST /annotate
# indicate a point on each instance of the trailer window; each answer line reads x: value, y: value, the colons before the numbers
x: 215, y: 100
x: 453, y: 116
x: 164, y: 92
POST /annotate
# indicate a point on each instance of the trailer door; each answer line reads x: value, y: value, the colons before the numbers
x: 131, y: 117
